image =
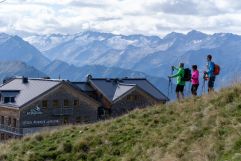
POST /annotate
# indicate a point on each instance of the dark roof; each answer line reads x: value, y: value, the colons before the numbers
x: 84, y: 86
x: 114, y: 88
x: 148, y: 87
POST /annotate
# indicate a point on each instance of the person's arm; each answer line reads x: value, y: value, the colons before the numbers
x: 211, y: 68
x: 174, y: 68
x: 176, y: 75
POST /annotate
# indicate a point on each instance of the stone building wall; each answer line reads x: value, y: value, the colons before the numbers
x: 9, y: 121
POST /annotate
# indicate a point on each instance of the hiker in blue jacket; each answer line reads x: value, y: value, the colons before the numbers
x: 210, y: 73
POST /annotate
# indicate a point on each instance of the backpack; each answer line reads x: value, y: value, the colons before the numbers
x: 216, y: 70
x: 187, y: 75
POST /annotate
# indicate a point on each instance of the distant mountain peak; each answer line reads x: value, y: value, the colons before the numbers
x: 18, y: 68
x: 96, y: 33
x: 14, y: 48
x: 4, y: 37
x: 227, y: 35
x: 4, y: 34
x: 194, y: 34
x: 58, y: 62
x: 173, y: 35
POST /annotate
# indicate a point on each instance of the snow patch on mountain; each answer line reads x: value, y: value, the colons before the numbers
x: 150, y: 54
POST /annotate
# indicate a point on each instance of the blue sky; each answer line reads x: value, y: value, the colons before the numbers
x: 149, y: 17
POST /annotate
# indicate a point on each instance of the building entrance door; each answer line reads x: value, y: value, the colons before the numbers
x: 66, y: 120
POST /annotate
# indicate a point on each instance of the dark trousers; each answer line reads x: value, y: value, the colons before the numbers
x: 194, y: 89
x: 211, y: 82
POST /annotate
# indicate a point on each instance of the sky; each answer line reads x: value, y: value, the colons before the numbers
x: 148, y: 17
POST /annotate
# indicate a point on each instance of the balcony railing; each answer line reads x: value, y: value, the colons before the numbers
x: 12, y: 130
x: 63, y: 111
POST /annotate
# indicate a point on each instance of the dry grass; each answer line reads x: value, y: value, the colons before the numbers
x: 206, y: 128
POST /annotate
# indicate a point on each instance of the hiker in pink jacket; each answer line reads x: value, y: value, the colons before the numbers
x: 195, y: 80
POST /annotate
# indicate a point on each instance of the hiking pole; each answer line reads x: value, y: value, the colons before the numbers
x: 170, y: 83
x: 171, y: 79
x: 203, y: 87
x: 204, y: 83
x: 189, y: 89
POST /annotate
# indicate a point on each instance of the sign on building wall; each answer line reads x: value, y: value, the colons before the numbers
x: 40, y: 122
x: 35, y: 111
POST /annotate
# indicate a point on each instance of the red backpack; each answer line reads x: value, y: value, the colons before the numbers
x: 217, y: 69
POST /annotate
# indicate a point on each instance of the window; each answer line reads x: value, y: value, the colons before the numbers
x: 132, y: 97
x: 2, y: 120
x: 136, y: 97
x: 9, y: 121
x: 76, y: 102
x: 14, y: 122
x: 6, y: 99
x: 44, y: 103
x: 56, y: 103
x: 9, y: 99
x: 12, y: 99
x: 66, y: 103
x: 128, y: 97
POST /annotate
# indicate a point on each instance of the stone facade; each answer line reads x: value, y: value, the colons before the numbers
x: 9, y: 123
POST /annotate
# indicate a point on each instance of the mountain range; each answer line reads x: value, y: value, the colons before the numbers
x: 17, y: 68
x: 75, y: 56
x: 14, y: 48
x: 149, y: 54
x: 59, y: 69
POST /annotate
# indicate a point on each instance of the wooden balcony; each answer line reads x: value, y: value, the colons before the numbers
x: 64, y: 111
x: 11, y: 130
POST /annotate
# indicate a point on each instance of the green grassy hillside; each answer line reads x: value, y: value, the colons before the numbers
x: 205, y: 128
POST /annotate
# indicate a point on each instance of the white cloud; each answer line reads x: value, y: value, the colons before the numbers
x: 120, y: 16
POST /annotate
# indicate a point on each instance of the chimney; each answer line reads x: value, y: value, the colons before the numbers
x: 25, y: 80
x: 116, y: 81
x: 89, y: 77
x: 47, y: 77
